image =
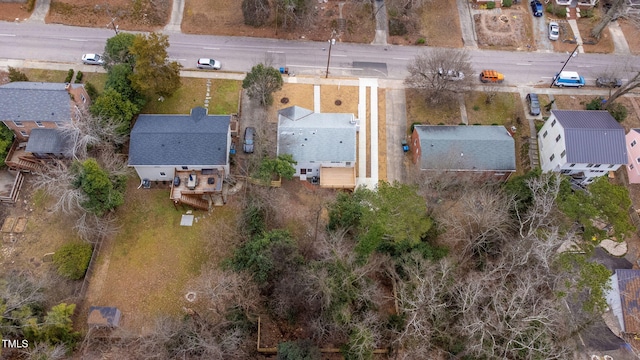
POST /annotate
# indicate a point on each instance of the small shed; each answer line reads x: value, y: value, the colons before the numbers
x: 104, y: 316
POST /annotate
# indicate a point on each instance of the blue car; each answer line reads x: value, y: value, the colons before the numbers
x: 536, y: 7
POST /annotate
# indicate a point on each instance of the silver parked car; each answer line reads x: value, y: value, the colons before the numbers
x: 210, y: 64
x: 534, y: 104
x: 92, y: 59
x: 554, y: 31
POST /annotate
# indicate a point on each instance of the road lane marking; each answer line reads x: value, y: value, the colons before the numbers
x: 80, y: 40
x: 521, y: 64
x: 210, y: 48
x: 338, y: 55
x: 400, y: 58
x: 7, y: 34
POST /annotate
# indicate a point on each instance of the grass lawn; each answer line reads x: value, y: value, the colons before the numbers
x: 224, y: 97
x: 504, y: 109
x: 97, y: 79
x: 418, y: 110
x: 145, y: 268
x: 55, y: 76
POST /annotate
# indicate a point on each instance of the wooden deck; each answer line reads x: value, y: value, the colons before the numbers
x: 21, y: 160
x: 208, y: 187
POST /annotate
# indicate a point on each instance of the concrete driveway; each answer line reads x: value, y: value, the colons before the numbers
x: 540, y: 32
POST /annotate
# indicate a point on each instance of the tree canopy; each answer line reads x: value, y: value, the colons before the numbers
x: 262, y: 82
x: 102, y: 194
x: 118, y: 50
x: 280, y: 166
x: 153, y: 73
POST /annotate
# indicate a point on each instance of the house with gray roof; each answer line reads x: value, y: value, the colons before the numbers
x: 484, y: 152
x: 323, y: 144
x: 25, y: 106
x: 582, y: 144
x: 190, y: 151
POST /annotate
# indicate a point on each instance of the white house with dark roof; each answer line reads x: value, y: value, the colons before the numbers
x: 480, y: 151
x: 162, y: 144
x: 323, y: 144
x: 583, y: 144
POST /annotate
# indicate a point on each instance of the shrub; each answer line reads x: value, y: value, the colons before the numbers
x: 491, y: 5
x: 476, y: 107
x: 507, y: 3
x: 421, y: 41
x: 30, y: 5
x: 69, y: 76
x: 91, y: 90
x: 462, y: 124
x: 72, y: 260
x: 298, y: 350
x: 397, y: 27
x: 595, y: 104
x: 79, y: 77
x: 618, y: 111
x: 17, y: 75
x: 559, y: 11
x: 413, y: 125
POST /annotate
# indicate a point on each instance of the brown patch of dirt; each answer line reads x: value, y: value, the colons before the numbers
x: 631, y: 31
x: 143, y: 15
x: 14, y: 12
x: 224, y: 17
x: 504, y: 30
x: 604, y: 45
x: 433, y: 17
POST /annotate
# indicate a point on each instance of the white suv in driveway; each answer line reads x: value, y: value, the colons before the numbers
x: 554, y: 31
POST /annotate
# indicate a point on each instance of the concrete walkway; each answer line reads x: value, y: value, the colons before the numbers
x: 177, y: 11
x: 370, y: 181
x: 40, y: 12
x: 382, y: 25
x: 620, y: 44
x: 396, y: 131
x: 467, y: 25
x: 574, y: 27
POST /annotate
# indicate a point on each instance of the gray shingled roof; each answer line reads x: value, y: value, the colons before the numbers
x: 592, y: 137
x: 629, y: 286
x: 176, y: 140
x: 48, y: 141
x: 35, y: 101
x: 310, y: 136
x: 476, y: 147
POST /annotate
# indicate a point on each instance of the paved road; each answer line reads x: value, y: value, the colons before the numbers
x: 65, y: 44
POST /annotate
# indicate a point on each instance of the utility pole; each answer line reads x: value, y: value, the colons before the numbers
x: 113, y: 20
x: 574, y: 53
x: 332, y: 42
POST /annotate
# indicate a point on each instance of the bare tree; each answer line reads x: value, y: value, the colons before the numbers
x: 616, y: 10
x: 222, y: 290
x: 255, y: 12
x: 440, y: 74
x: 633, y: 83
x: 58, y: 181
x: 44, y: 351
x: 545, y: 189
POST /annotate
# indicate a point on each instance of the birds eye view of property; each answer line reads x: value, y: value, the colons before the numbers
x: 320, y: 179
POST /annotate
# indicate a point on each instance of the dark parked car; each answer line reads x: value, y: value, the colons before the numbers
x: 608, y: 82
x: 534, y: 104
x: 536, y: 7
x: 249, y: 134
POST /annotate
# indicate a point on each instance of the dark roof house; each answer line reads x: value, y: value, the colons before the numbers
x: 35, y: 101
x: 463, y: 148
x: 592, y: 137
x: 197, y: 139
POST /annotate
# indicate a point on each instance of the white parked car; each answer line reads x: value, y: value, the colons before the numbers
x: 554, y: 31
x: 452, y: 75
x: 205, y: 63
x: 92, y: 59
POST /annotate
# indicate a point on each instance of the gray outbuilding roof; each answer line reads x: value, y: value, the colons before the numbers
x: 310, y: 136
x: 476, y: 148
x: 45, y: 141
x: 592, y: 136
x: 35, y: 101
x: 175, y: 140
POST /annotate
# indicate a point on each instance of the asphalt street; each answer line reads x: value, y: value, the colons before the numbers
x: 65, y: 44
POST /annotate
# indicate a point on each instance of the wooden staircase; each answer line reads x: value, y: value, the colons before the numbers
x: 195, y: 202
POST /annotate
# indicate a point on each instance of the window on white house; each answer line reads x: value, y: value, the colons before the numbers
x: 610, y: 166
x: 589, y: 165
x: 558, y: 138
x: 553, y: 156
x: 563, y: 153
x: 309, y: 170
x: 572, y: 165
x: 597, y: 165
x: 553, y: 123
x: 545, y: 134
x: 633, y: 143
x: 303, y: 171
x: 39, y: 123
x: 18, y: 123
x: 162, y: 173
x: 185, y: 168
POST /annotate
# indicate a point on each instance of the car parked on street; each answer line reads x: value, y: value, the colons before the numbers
x: 211, y: 64
x: 536, y: 7
x: 452, y: 75
x: 491, y: 76
x: 609, y: 82
x: 554, y: 31
x: 247, y: 144
x: 534, y: 104
x: 92, y: 59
